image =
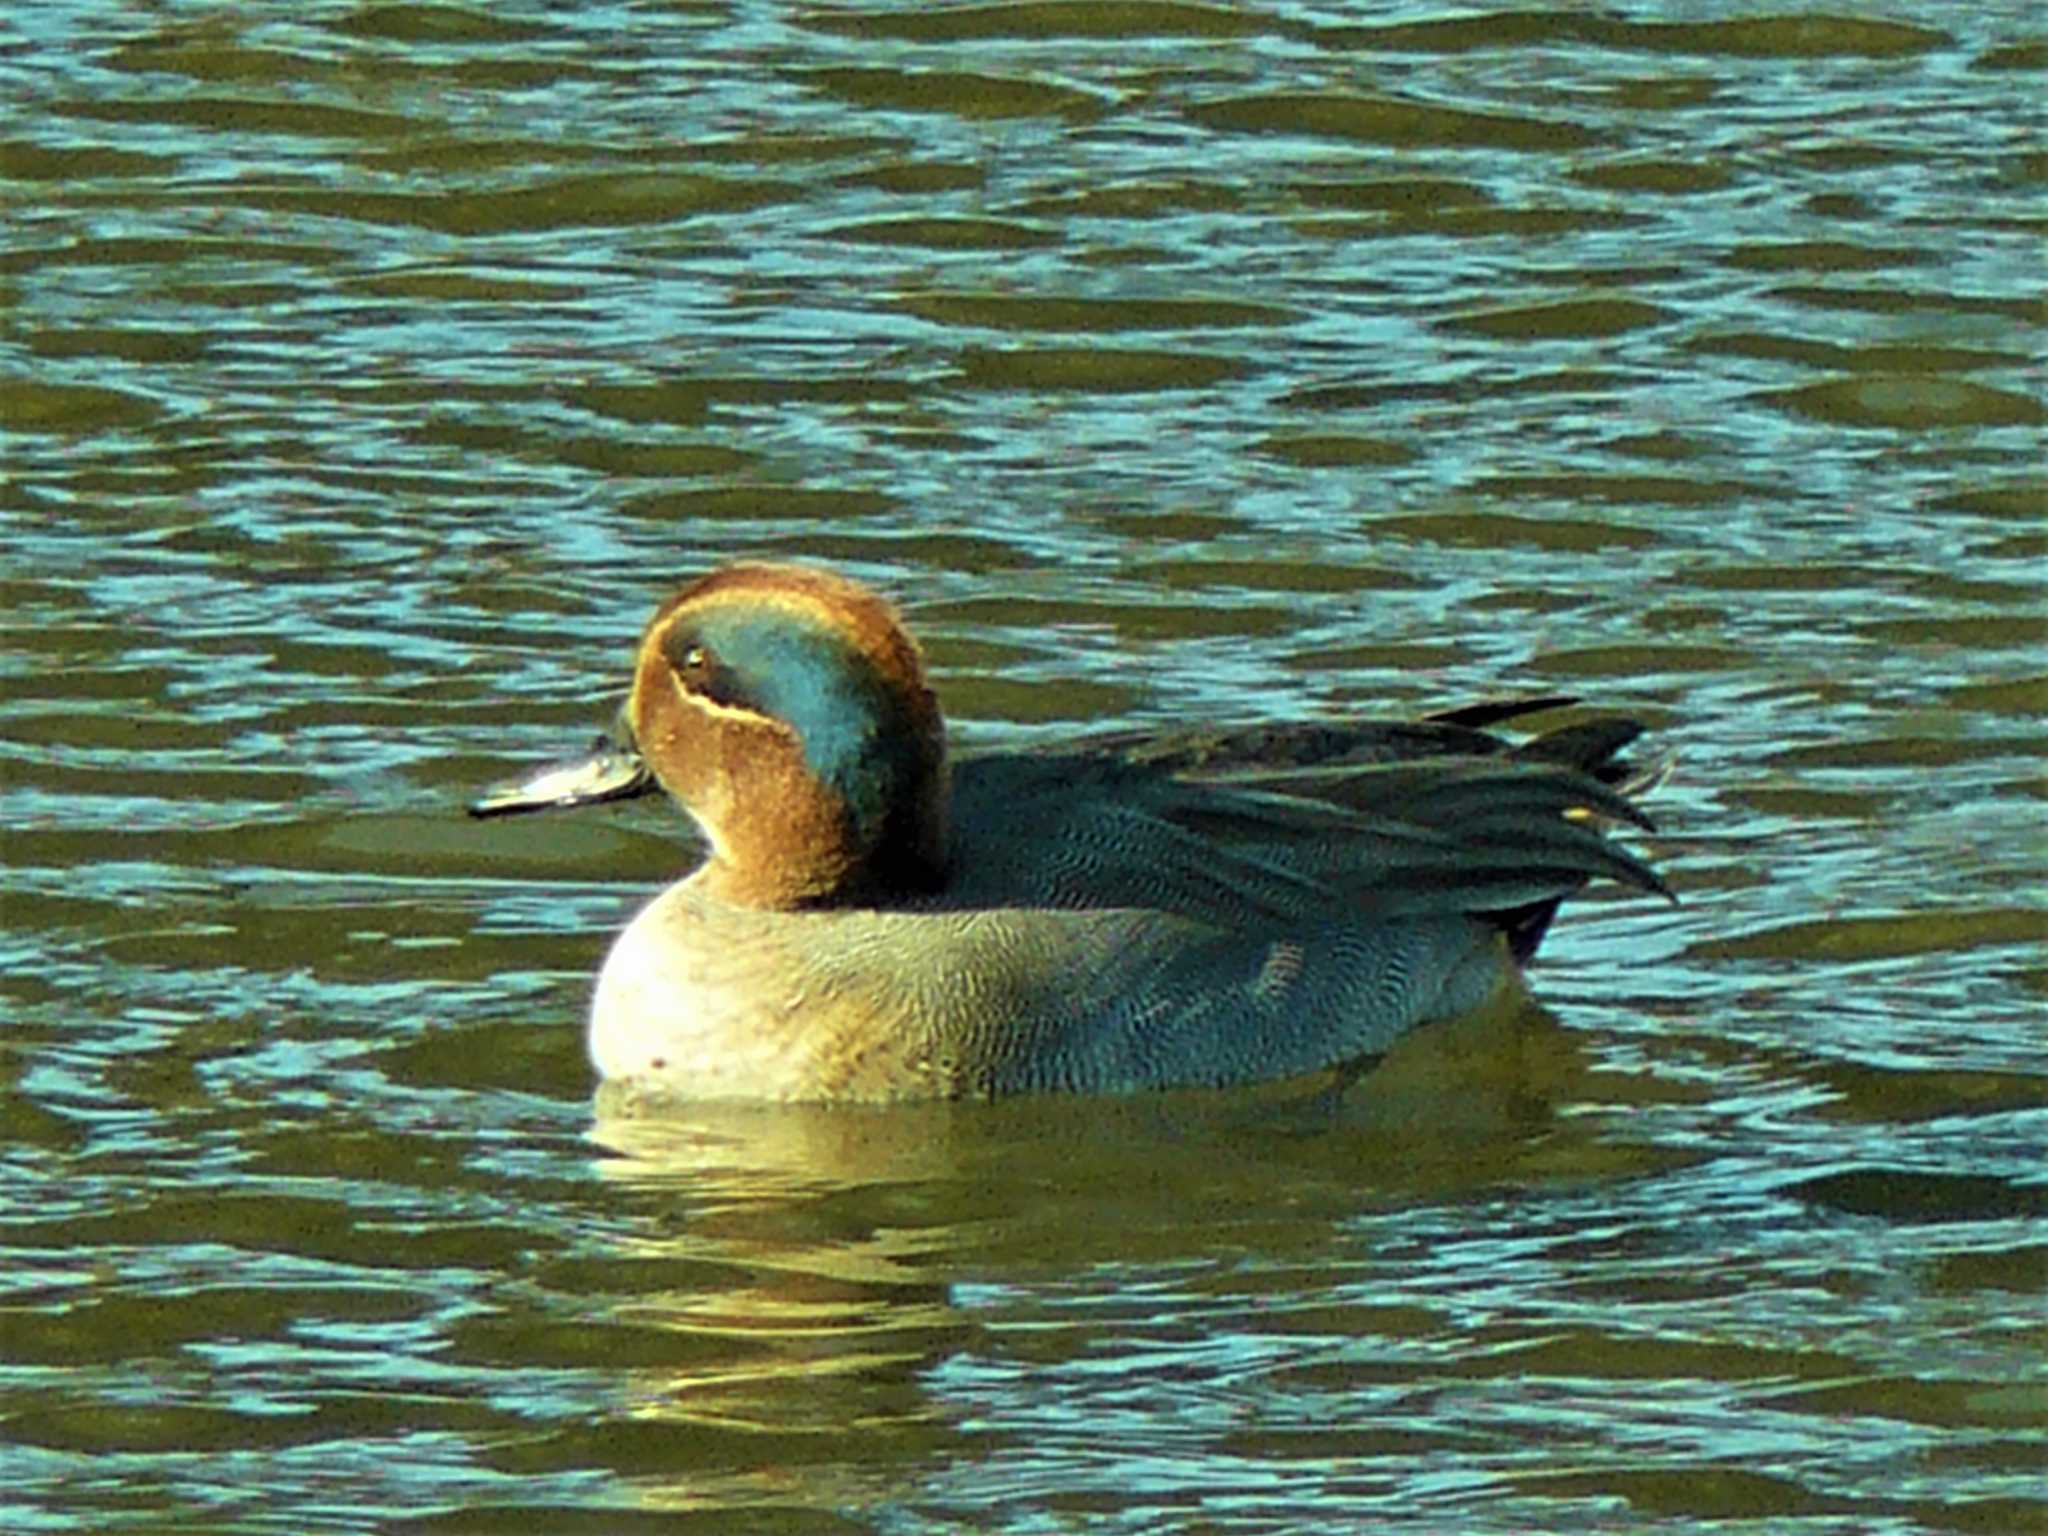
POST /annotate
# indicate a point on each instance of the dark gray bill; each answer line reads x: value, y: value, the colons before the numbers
x: 607, y: 772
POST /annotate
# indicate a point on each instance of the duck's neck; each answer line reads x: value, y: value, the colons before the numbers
x: 801, y: 844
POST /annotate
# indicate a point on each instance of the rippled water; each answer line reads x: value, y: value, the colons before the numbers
x: 367, y: 372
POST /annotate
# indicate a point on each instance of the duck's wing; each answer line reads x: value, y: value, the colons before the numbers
x: 1488, y: 837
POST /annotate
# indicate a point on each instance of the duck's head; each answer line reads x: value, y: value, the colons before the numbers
x: 785, y: 709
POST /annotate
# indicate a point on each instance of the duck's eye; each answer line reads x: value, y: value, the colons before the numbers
x: 697, y: 668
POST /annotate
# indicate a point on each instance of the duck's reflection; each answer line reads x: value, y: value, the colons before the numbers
x: 813, y: 1272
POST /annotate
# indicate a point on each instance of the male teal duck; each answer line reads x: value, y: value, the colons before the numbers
x: 1212, y: 908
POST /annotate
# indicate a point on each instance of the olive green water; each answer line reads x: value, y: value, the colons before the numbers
x: 367, y: 372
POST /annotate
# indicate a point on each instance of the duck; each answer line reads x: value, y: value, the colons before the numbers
x: 1201, y: 907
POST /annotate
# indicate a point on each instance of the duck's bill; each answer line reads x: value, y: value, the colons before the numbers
x: 607, y: 772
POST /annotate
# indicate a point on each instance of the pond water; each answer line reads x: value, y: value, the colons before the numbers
x: 367, y: 372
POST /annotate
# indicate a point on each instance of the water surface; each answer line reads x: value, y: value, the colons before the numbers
x: 367, y: 372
